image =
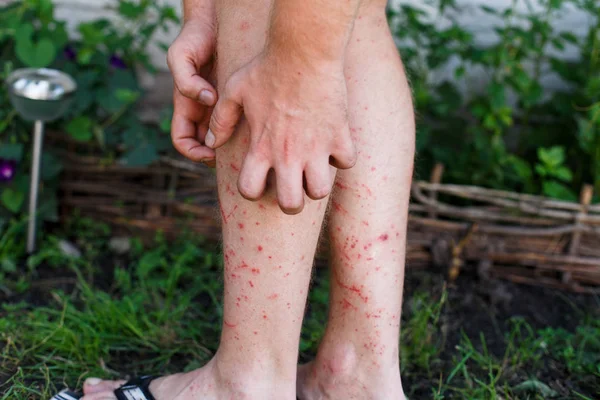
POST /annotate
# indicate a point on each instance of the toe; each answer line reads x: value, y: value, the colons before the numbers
x: 95, y: 385
x: 105, y: 395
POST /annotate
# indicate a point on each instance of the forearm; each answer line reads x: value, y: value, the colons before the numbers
x: 199, y: 10
x: 306, y: 30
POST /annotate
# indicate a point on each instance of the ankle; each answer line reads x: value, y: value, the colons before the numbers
x: 253, y: 378
x: 344, y: 363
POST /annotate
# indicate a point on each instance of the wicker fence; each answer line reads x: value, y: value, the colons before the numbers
x: 522, y: 238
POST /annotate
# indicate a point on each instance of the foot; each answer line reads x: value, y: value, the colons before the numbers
x: 341, y: 376
x: 206, y: 383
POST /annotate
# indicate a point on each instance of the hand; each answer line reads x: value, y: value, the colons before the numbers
x: 190, y: 61
x: 298, y: 122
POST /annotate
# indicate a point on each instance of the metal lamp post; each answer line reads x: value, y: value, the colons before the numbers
x: 40, y: 95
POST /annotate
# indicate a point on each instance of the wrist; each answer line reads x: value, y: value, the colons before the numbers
x: 202, y: 11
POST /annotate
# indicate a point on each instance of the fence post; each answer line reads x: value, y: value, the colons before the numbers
x: 435, y: 178
x: 585, y: 198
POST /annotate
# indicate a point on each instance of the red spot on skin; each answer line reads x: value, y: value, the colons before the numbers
x: 241, y: 226
x: 250, y: 283
x: 234, y: 276
x: 373, y: 169
x: 255, y: 271
x: 262, y: 207
x: 338, y: 229
x: 367, y: 189
x: 273, y: 296
x: 279, y: 267
x: 226, y: 217
x: 314, y: 222
x: 256, y: 332
x: 286, y: 275
x: 244, y: 26
x: 299, y: 73
x: 346, y: 305
x: 265, y: 316
x: 365, y: 223
x: 385, y: 178
x: 227, y: 324
x: 384, y: 237
x: 241, y: 238
x: 234, y: 167
x: 397, y: 234
x: 302, y: 259
x: 353, y: 289
x: 229, y: 191
x: 260, y: 248
x: 366, y: 108
x: 258, y: 223
x: 292, y: 234
x: 270, y: 257
x: 338, y: 207
x: 243, y: 265
x: 341, y: 185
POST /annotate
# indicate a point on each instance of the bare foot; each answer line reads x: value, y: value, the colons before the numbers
x: 205, y: 383
x: 341, y: 376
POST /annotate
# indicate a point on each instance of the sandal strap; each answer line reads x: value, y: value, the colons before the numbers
x: 136, y: 389
x: 67, y: 395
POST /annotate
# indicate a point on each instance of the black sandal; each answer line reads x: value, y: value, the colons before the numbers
x: 134, y: 389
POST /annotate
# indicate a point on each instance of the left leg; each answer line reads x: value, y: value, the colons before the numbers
x: 358, y: 357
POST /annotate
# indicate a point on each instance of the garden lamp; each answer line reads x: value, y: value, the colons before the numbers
x: 39, y: 95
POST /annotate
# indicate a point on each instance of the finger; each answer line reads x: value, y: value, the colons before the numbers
x: 253, y: 176
x: 225, y: 115
x: 186, y: 126
x: 344, y: 154
x: 318, y: 178
x: 187, y: 80
x: 290, y: 193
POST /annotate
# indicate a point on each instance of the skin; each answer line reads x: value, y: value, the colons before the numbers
x: 268, y: 254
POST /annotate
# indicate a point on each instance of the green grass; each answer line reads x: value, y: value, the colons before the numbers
x: 158, y: 309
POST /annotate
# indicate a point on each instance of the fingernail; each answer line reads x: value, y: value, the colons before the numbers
x: 207, y: 97
x: 92, y: 381
x: 210, y: 139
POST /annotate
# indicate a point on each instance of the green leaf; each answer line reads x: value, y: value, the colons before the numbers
x: 140, y: 156
x: 126, y: 95
x: 51, y: 166
x: 558, y: 191
x: 12, y: 199
x: 497, y: 95
x: 11, y: 151
x: 564, y: 174
x: 35, y: 54
x: 80, y: 129
x: 536, y: 386
x: 520, y: 166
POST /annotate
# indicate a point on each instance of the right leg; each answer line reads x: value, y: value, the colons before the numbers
x: 268, y: 259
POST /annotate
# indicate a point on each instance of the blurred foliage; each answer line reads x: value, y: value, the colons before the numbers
x: 106, y: 57
x: 493, y: 123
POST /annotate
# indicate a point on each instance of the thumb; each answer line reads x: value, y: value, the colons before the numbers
x: 225, y: 116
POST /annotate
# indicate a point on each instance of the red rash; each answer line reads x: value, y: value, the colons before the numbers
x: 338, y: 207
x: 262, y: 207
x: 260, y: 248
x: 244, y: 26
x: 251, y: 284
x: 273, y: 296
x: 384, y: 237
x: 227, y: 324
x: 241, y: 226
x: 234, y: 167
x: 341, y: 185
x: 255, y: 271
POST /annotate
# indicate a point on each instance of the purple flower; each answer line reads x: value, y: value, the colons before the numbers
x: 7, y: 170
x: 117, y: 62
x: 70, y: 53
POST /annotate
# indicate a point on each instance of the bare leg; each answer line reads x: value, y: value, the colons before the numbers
x: 358, y: 358
x: 268, y: 260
